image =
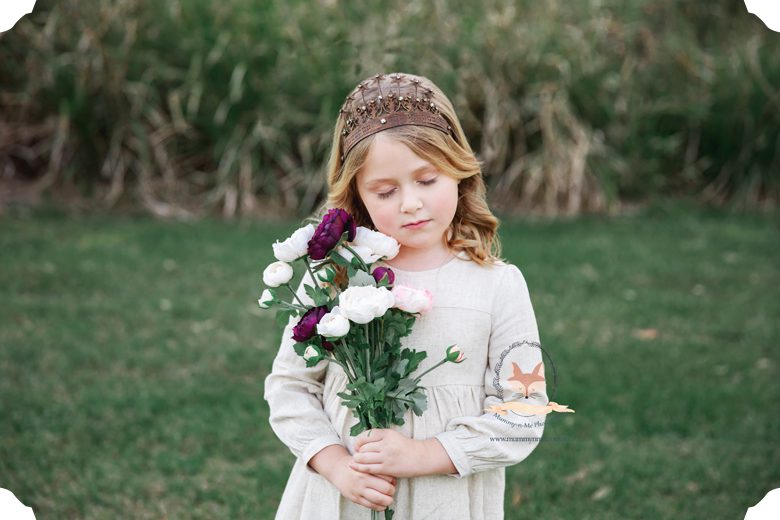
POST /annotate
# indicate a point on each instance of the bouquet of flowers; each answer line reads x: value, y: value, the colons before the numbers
x: 356, y: 321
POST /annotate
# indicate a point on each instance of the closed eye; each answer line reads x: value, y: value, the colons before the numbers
x: 387, y: 194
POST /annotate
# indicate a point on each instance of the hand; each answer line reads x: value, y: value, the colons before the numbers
x: 388, y: 452
x: 374, y: 491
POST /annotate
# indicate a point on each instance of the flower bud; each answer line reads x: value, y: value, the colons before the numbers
x: 310, y: 353
x: 265, y: 299
x: 380, y: 272
x: 455, y: 354
x: 277, y: 273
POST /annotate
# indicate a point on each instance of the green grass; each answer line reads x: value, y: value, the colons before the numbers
x: 132, y: 359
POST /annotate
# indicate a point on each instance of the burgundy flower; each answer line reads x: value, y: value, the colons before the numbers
x: 329, y: 232
x: 307, y: 327
x: 379, y: 272
x: 327, y: 345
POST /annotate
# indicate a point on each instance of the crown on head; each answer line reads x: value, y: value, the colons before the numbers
x: 406, y: 101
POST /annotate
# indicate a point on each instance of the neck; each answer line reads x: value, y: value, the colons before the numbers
x: 418, y: 260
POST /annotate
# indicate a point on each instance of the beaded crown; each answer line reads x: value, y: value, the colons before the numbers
x: 406, y: 100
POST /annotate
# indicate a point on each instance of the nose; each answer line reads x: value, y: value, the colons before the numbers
x: 411, y: 201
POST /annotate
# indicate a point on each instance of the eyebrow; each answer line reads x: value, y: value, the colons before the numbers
x: 416, y: 171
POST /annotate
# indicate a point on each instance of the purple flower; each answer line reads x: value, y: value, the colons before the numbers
x: 329, y: 232
x: 307, y: 326
x: 379, y: 272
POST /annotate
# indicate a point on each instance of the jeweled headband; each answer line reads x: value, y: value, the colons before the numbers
x: 387, y: 101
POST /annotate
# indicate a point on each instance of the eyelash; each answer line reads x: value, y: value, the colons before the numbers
x: 387, y: 194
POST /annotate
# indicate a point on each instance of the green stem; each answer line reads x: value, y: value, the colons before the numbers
x: 296, y: 296
x: 311, y: 273
x: 348, y: 354
x: 308, y: 268
x: 417, y: 379
x: 368, y: 354
x: 292, y: 306
x: 342, y: 365
x: 362, y: 263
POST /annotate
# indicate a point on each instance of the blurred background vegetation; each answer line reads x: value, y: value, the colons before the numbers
x: 196, y: 107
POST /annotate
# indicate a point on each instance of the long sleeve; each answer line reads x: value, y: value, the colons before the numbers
x: 294, y: 396
x: 493, y: 440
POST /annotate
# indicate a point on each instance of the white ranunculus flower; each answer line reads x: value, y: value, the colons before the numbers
x: 295, y: 246
x: 365, y: 253
x: 277, y: 273
x: 265, y: 299
x: 381, y: 245
x: 362, y: 304
x: 310, y: 353
x: 333, y: 324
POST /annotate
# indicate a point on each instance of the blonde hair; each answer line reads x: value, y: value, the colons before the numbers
x: 474, y: 228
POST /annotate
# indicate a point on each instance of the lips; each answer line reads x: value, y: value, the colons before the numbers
x: 414, y: 223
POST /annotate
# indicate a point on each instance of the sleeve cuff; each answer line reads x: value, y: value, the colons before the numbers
x: 315, y: 447
x: 457, y: 454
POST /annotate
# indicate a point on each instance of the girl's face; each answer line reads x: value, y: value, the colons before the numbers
x: 399, y: 188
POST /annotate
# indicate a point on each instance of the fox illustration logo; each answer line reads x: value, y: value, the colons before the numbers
x: 525, y: 384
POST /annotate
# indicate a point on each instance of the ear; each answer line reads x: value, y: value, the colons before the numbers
x: 539, y: 369
x: 516, y: 372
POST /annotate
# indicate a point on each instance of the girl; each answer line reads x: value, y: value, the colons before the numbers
x: 401, y: 165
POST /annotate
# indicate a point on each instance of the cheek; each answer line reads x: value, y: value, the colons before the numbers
x: 446, y: 201
x: 381, y: 214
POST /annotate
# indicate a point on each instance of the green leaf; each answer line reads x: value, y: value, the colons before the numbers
x: 338, y: 259
x: 362, y: 279
x: 356, y: 430
x: 283, y: 316
x: 313, y: 361
x: 420, y: 403
x: 300, y: 347
x: 318, y: 295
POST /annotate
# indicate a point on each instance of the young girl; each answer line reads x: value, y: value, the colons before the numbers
x: 401, y: 165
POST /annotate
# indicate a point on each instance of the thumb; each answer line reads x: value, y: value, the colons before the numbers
x: 361, y: 439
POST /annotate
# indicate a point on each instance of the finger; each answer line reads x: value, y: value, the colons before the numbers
x: 378, y: 497
x: 359, y: 441
x: 382, y: 486
x: 367, y: 457
x: 369, y: 445
x: 366, y: 437
x: 366, y: 468
x: 391, y: 479
x: 370, y: 505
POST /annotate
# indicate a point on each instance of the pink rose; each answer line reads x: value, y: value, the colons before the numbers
x: 412, y: 300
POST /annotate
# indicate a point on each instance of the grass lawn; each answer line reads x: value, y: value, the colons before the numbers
x: 133, y: 354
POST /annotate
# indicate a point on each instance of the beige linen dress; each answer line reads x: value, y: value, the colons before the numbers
x: 487, y: 312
